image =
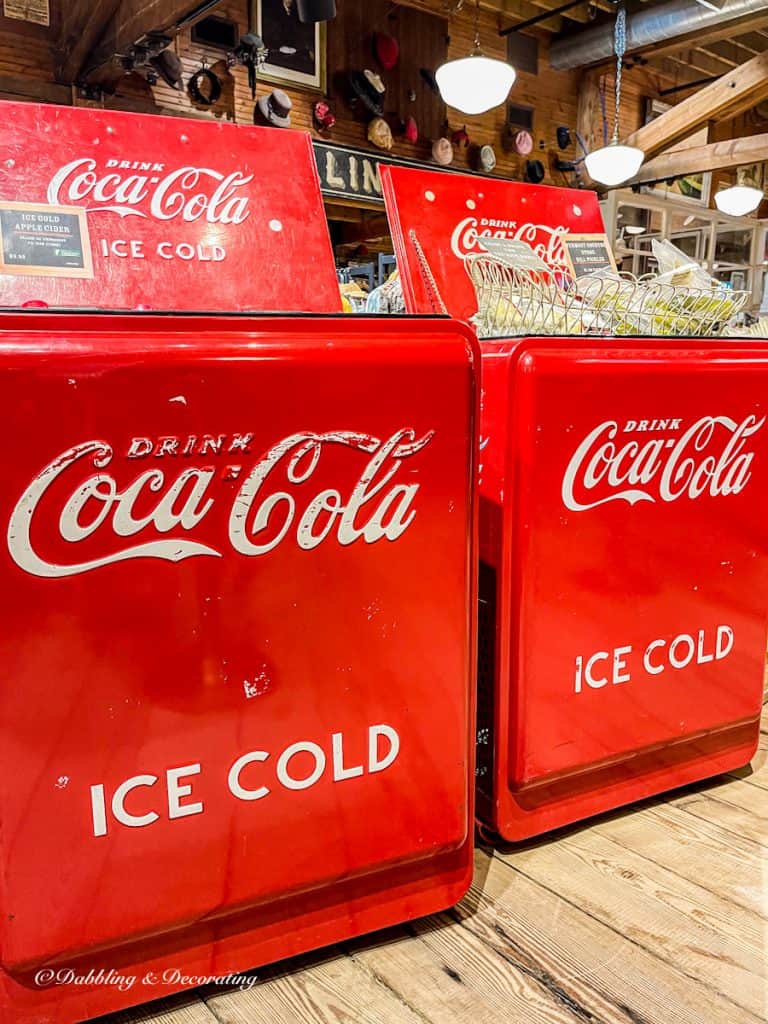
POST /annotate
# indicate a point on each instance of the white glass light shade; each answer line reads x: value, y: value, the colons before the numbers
x: 474, y: 85
x: 738, y: 200
x: 614, y: 164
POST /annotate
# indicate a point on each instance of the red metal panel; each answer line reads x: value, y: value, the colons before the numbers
x: 447, y: 212
x: 626, y: 486
x: 181, y: 214
x: 238, y: 569
x: 623, y: 545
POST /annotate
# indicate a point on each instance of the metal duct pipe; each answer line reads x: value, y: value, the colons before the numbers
x: 649, y: 26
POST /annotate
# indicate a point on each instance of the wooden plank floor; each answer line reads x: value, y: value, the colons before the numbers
x: 653, y: 915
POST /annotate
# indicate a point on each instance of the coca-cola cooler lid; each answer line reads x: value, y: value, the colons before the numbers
x: 129, y: 211
x: 443, y: 215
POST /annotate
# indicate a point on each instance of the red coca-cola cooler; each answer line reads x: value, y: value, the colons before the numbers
x: 623, y: 536
x: 238, y: 566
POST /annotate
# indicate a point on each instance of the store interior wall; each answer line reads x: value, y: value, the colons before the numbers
x: 25, y: 57
x: 426, y: 31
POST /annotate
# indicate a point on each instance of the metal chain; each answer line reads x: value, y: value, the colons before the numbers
x: 619, y: 48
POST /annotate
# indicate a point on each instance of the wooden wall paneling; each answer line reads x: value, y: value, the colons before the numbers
x: 553, y: 95
x: 421, y: 28
x: 426, y: 47
x: 422, y: 39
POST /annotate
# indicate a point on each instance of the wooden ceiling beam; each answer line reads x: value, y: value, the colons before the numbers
x: 132, y: 20
x: 752, y: 41
x: 702, y: 63
x: 577, y: 14
x: 503, y: 13
x: 739, y: 43
x: 84, y: 22
x: 715, y: 51
x: 728, y: 96
x: 717, y: 156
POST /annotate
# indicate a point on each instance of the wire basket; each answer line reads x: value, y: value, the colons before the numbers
x: 514, y: 301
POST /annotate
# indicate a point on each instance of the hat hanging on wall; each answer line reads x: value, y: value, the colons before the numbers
x: 204, y: 87
x: 486, y: 159
x: 316, y: 10
x: 273, y: 109
x: 563, y: 137
x: 534, y: 171
x: 522, y: 143
x: 442, y: 152
x: 168, y: 66
x: 364, y: 90
x: 324, y: 116
x: 411, y: 130
x: 380, y: 134
x: 386, y: 50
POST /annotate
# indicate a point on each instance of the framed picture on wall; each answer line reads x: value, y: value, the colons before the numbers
x: 696, y: 188
x: 296, y: 51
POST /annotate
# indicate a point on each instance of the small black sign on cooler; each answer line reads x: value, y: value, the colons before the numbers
x: 588, y: 253
x: 40, y: 240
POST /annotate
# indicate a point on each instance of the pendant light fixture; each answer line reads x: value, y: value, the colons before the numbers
x: 615, y: 163
x: 476, y: 83
x: 742, y: 198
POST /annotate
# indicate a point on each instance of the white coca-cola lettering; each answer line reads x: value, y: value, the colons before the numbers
x: 546, y: 242
x: 661, y: 469
x: 189, y: 193
x: 260, y: 519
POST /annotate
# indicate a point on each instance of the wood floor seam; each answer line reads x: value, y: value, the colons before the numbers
x: 683, y: 878
x: 724, y: 827
x: 650, y: 952
x: 383, y: 983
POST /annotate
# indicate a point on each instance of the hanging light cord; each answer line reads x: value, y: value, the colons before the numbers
x: 478, y: 51
x: 619, y: 47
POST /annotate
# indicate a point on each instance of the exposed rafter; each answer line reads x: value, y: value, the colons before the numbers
x: 716, y: 156
x: 128, y: 24
x: 83, y: 25
x: 727, y: 97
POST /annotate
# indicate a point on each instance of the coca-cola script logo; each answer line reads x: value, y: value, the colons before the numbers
x: 546, y: 241
x: 191, y: 193
x: 708, y: 457
x: 270, y: 506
